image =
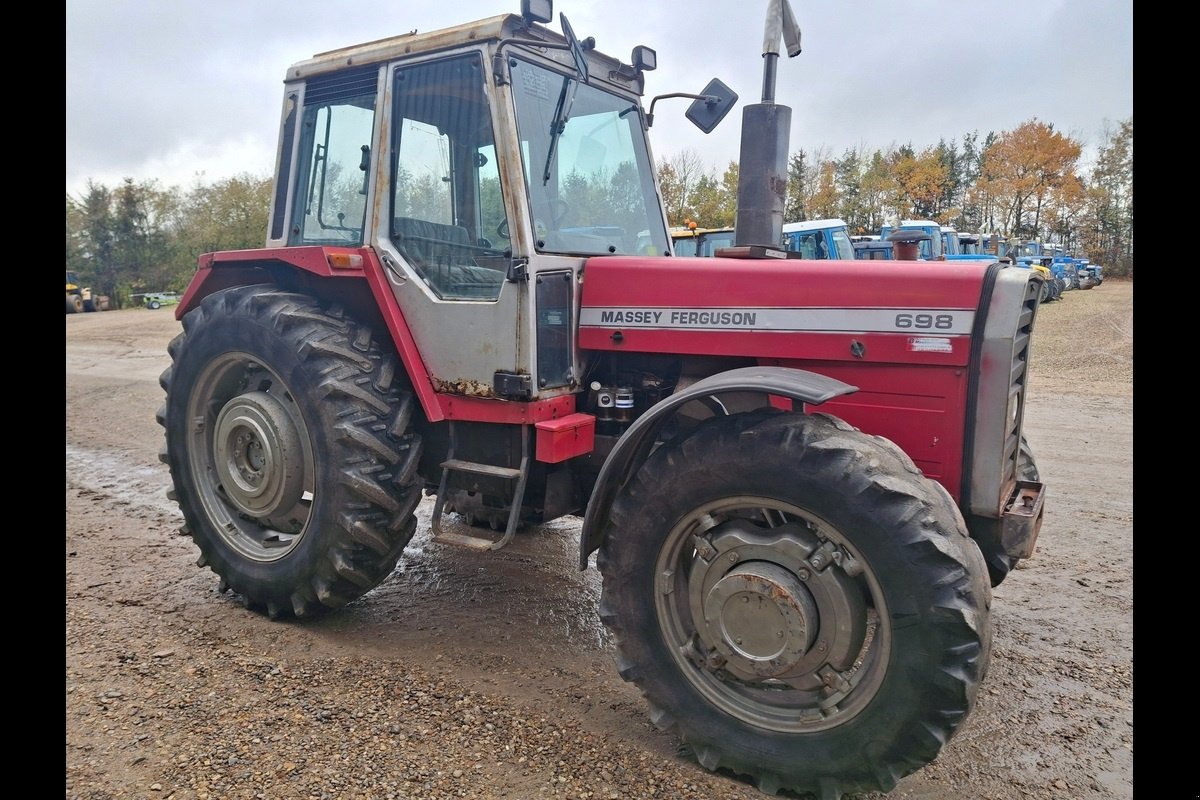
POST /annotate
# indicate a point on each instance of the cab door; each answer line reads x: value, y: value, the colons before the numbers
x: 443, y: 228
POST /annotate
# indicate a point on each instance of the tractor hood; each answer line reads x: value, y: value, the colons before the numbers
x: 776, y: 309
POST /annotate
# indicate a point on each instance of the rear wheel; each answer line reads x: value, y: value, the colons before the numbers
x: 290, y: 450
x: 74, y: 304
x: 798, y: 600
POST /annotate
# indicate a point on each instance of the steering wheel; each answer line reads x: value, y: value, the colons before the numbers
x: 502, y: 229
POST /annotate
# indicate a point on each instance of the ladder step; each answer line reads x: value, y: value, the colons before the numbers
x: 481, y: 469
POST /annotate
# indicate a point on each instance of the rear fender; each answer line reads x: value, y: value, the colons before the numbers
x: 635, y: 444
x: 350, y: 276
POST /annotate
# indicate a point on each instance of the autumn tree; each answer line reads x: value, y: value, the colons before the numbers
x: 1109, y: 234
x: 825, y: 201
x: 709, y: 203
x: 918, y: 182
x: 1023, y: 167
x: 947, y: 204
x: 875, y: 186
x: 729, y: 189
x: 677, y: 179
x: 1066, y: 207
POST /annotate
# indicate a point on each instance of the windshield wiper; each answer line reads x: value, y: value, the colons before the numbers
x: 562, y: 113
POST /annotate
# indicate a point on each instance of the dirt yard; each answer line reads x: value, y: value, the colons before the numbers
x: 488, y: 675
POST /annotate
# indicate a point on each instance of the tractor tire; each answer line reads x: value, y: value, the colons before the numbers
x: 986, y: 531
x: 74, y: 304
x: 1045, y: 295
x: 798, y: 601
x: 290, y: 449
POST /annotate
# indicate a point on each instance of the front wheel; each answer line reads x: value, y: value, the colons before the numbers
x: 798, y: 600
x: 290, y: 450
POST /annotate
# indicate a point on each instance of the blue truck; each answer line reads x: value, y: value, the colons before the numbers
x: 1090, y: 274
x: 943, y: 243
x: 819, y: 238
x: 932, y: 248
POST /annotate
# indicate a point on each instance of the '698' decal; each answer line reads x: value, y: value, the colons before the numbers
x: 925, y: 322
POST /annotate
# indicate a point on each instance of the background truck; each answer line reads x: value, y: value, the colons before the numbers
x: 798, y: 484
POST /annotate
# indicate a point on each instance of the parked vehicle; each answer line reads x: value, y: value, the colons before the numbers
x: 799, y: 483
x: 81, y: 298
x: 1053, y: 283
x: 1090, y: 275
x: 873, y: 248
x: 695, y: 241
x: 157, y: 300
x: 949, y: 241
x: 931, y: 249
x: 818, y: 239
x: 970, y: 244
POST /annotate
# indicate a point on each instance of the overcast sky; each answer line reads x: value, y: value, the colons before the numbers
x: 189, y: 90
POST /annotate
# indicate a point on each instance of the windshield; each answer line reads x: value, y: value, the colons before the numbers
x: 587, y: 168
x: 843, y: 247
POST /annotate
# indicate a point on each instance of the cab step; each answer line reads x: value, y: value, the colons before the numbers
x: 452, y: 464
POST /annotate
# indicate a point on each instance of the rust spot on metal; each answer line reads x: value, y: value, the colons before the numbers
x: 464, y: 386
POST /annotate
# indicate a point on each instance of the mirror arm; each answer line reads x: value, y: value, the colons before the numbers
x: 707, y: 98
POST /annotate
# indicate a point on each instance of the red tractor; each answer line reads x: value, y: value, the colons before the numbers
x: 801, y: 478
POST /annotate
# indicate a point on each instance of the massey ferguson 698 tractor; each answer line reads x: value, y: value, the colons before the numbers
x: 800, y: 478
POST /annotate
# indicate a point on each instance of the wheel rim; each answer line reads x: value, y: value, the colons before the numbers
x: 771, y: 615
x: 251, y: 456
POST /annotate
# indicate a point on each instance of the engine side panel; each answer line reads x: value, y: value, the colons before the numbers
x: 901, y: 332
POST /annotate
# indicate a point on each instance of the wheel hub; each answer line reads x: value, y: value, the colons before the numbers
x: 761, y: 618
x: 258, y: 454
x: 769, y: 604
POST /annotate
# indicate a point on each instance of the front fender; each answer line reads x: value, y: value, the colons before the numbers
x: 635, y: 444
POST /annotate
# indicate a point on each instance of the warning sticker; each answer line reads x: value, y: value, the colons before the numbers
x: 930, y: 344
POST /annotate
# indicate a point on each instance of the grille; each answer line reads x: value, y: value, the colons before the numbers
x: 1018, y: 378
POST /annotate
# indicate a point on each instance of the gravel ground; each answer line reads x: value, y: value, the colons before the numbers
x: 487, y: 676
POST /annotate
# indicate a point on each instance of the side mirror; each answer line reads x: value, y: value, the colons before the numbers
x: 577, y: 48
x: 707, y: 111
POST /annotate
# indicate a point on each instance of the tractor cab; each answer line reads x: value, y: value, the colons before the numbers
x: 483, y: 164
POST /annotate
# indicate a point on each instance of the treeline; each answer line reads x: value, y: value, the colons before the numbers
x: 141, y: 237
x: 1025, y: 183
